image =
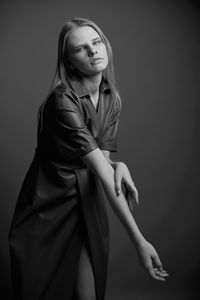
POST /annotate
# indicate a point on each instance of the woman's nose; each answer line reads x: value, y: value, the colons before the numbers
x: 92, y: 51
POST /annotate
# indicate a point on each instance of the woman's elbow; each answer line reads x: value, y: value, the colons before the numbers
x: 98, y: 164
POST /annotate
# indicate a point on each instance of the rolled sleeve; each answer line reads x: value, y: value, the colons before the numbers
x: 71, y: 136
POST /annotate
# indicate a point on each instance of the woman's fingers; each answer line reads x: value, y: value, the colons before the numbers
x: 122, y: 174
x: 130, y: 202
x: 158, y: 263
x: 162, y: 274
x: 159, y: 268
x: 136, y: 194
x: 118, y: 181
x: 156, y: 275
x: 151, y: 261
x: 132, y: 193
x: 151, y: 270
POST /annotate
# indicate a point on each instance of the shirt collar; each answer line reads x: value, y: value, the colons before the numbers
x: 81, y: 91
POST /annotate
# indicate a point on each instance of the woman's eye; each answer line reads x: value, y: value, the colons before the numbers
x: 79, y: 49
x: 97, y: 42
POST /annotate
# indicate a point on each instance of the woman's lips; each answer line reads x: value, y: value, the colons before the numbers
x: 96, y: 61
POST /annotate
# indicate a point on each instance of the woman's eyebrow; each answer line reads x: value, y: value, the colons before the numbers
x: 93, y: 40
x: 96, y: 38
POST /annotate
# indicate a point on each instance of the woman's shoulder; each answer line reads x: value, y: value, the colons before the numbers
x: 62, y: 96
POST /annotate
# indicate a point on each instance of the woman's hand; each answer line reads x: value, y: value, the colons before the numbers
x: 151, y: 261
x: 122, y: 175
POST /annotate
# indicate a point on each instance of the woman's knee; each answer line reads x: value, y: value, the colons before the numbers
x: 85, y: 284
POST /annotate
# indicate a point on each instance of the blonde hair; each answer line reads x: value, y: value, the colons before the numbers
x: 64, y: 73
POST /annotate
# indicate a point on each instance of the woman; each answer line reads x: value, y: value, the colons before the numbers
x: 59, y: 233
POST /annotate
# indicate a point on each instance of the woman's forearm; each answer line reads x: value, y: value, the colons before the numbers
x: 120, y: 207
x: 107, y: 156
x: 99, y: 165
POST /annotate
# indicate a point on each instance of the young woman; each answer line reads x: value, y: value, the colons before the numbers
x: 59, y: 233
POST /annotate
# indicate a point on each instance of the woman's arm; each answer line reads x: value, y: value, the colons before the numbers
x: 122, y: 176
x: 98, y: 164
x: 106, y: 153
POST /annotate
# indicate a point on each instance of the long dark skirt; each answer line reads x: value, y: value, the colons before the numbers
x: 49, y: 227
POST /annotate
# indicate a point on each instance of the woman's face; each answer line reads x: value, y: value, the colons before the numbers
x: 87, y: 52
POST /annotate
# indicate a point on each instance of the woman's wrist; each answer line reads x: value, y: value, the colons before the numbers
x: 138, y: 239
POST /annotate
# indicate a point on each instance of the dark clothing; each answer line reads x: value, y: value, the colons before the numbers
x: 61, y: 203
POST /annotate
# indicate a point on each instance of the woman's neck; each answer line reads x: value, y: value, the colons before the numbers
x: 92, y: 83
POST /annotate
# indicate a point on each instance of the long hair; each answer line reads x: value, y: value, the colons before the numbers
x: 63, y: 72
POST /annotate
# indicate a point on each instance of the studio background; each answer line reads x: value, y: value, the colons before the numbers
x: 156, y: 56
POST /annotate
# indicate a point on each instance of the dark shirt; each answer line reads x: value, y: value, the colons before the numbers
x: 73, y: 127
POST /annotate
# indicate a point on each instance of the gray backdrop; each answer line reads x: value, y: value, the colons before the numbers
x: 156, y: 54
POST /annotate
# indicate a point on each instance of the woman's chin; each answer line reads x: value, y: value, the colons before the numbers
x: 99, y: 68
